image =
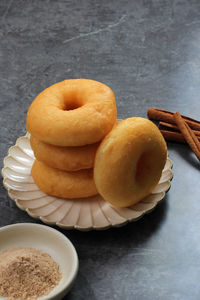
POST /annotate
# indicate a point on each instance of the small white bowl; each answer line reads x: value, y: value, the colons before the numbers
x: 50, y: 241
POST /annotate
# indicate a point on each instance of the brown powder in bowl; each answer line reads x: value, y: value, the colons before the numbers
x: 27, y: 273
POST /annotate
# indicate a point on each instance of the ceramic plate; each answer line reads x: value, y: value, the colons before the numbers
x: 82, y: 214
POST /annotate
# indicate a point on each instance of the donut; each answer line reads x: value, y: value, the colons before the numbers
x: 74, y: 112
x: 129, y: 162
x: 55, y: 182
x: 64, y: 158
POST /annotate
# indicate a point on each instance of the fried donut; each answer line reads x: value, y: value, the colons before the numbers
x: 54, y: 182
x: 64, y: 158
x: 129, y: 162
x: 73, y: 112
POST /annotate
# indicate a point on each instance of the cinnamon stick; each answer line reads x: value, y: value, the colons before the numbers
x: 167, y: 116
x: 173, y: 136
x: 194, y: 137
x: 173, y: 128
x: 187, y: 133
x: 167, y: 126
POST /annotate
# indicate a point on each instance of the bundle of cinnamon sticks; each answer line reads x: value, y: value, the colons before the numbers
x: 178, y: 128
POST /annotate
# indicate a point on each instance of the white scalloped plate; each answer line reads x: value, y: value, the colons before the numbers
x: 83, y: 214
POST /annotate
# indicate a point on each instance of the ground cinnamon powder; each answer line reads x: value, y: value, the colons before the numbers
x: 27, y: 273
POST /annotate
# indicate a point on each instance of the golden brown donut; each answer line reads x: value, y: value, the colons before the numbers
x: 54, y: 182
x: 73, y: 112
x: 64, y: 158
x: 129, y: 162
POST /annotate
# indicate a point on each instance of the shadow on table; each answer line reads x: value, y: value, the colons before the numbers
x: 103, y: 250
x: 185, y: 153
x: 133, y: 233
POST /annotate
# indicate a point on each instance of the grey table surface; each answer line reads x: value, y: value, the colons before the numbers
x: 148, y: 52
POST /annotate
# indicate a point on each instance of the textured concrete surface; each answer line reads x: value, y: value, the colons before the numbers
x: 148, y: 52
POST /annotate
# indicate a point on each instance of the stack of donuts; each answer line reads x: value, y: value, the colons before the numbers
x: 81, y: 150
x: 67, y: 121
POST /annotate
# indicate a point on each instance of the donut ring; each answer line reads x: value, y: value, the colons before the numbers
x: 129, y: 162
x: 54, y: 182
x: 73, y: 112
x: 64, y: 158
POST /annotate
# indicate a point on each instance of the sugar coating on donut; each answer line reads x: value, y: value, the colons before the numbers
x: 129, y: 162
x: 64, y: 158
x: 55, y: 182
x: 74, y: 112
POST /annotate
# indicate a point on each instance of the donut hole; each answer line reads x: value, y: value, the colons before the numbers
x: 144, y: 168
x: 71, y: 102
x: 71, y: 106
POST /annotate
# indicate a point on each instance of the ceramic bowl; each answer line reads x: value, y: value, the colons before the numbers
x: 50, y: 241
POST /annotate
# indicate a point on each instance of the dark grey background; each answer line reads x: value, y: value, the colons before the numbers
x: 148, y: 52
